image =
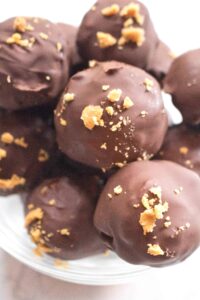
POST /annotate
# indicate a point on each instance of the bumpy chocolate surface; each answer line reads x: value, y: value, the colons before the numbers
x: 148, y: 213
x: 183, y: 83
x: 160, y: 62
x: 118, y: 30
x: 27, y: 144
x: 70, y: 35
x: 182, y: 145
x: 59, y: 216
x: 34, y: 62
x: 109, y: 115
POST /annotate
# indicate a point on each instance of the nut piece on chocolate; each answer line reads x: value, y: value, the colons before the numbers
x: 182, y: 145
x: 154, y: 219
x: 34, y: 62
x: 183, y: 83
x: 109, y: 115
x: 118, y: 30
x: 27, y: 144
x: 159, y: 64
x: 59, y: 217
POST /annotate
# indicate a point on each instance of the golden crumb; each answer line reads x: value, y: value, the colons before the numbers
x: 43, y: 155
x: 68, y: 97
x: 114, y: 95
x: 129, y: 22
x: 109, y: 110
x: 8, y: 79
x: 154, y: 209
x: 143, y: 114
x: 10, y: 184
x: 120, y: 164
x: 59, y: 46
x: 132, y: 10
x: 52, y: 202
x: 65, y: 231
x: 110, y: 10
x: 155, y: 250
x: 92, y: 116
x: 116, y: 127
x: 43, y: 35
x: 105, y: 40
x: 92, y: 63
x: 167, y: 224
x: 147, y: 220
x: 21, y: 142
x: 33, y: 215
x: 16, y: 38
x: 40, y: 250
x: 118, y: 190
x: 132, y: 34
x: 3, y: 153
x: 183, y: 150
x: 127, y: 103
x: 7, y: 138
x: 104, y: 146
x: 63, y: 122
x: 35, y: 234
x: 157, y: 191
x: 109, y: 196
x: 30, y: 206
x: 20, y: 24
x: 105, y: 87
x: 58, y: 263
x: 148, y: 83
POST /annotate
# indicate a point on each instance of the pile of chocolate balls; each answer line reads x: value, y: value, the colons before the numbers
x: 84, y: 134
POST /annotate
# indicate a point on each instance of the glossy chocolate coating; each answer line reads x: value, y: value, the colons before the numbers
x: 183, y: 83
x: 182, y: 145
x: 141, y: 127
x: 94, y: 21
x: 27, y: 145
x: 67, y: 224
x: 35, y: 74
x: 177, y: 233
x: 160, y: 62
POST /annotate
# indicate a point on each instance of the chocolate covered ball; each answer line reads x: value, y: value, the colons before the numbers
x: 159, y: 64
x: 70, y: 34
x: 183, y: 83
x: 118, y: 30
x: 182, y: 145
x: 110, y: 115
x: 27, y: 144
x: 34, y: 63
x: 148, y: 213
x: 59, y: 217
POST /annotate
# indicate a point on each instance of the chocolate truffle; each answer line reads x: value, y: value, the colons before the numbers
x: 118, y: 30
x: 70, y: 35
x: 159, y: 64
x: 148, y: 213
x: 182, y: 145
x: 27, y: 143
x: 109, y: 115
x: 59, y: 217
x: 183, y: 83
x: 34, y: 63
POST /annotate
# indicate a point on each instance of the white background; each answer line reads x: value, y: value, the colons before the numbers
x: 178, y: 24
